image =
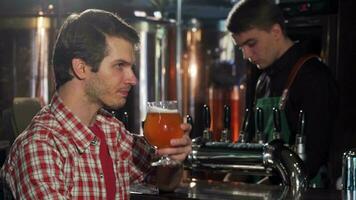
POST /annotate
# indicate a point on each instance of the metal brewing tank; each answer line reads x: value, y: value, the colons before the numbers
x: 209, y: 72
x: 203, y: 44
x: 25, y: 50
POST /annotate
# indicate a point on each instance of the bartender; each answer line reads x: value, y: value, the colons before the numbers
x: 291, y: 79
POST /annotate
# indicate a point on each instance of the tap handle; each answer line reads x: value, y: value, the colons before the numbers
x: 206, y: 116
x: 276, y: 120
x: 227, y: 116
x: 259, y: 116
x: 301, y: 123
x: 245, y: 125
x: 190, y: 121
x: 246, y: 121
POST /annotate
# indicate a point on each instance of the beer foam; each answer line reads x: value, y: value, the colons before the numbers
x: 155, y: 109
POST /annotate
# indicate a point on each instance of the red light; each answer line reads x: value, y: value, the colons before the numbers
x: 304, y: 7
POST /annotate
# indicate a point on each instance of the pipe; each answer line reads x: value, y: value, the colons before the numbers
x: 179, y: 53
x: 287, y: 164
x: 251, y: 157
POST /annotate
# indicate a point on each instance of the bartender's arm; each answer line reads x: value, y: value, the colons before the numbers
x: 169, y: 177
x: 318, y: 101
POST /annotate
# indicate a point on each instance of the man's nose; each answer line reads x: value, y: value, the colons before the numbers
x: 132, y: 79
x: 246, y: 52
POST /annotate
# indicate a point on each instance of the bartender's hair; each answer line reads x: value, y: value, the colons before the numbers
x: 248, y: 14
x: 84, y: 36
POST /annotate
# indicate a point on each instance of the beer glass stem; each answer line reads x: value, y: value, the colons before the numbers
x: 165, y: 161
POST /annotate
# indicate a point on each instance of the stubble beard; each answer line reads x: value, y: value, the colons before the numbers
x: 97, y: 96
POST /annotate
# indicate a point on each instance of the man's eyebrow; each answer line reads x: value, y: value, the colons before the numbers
x: 245, y: 42
x: 122, y: 61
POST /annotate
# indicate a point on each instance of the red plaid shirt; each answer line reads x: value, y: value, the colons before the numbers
x: 57, y: 157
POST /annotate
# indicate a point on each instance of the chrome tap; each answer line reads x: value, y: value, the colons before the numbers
x: 300, y: 137
x: 276, y: 124
x: 226, y: 132
x: 245, y: 125
x: 260, y: 126
x: 207, y: 134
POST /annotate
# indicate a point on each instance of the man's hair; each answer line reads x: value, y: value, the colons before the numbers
x: 248, y: 14
x: 84, y: 36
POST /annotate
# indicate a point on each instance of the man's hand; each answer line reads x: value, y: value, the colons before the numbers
x: 181, y: 147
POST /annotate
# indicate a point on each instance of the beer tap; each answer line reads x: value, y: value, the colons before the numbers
x: 300, y: 136
x: 276, y: 124
x: 245, y: 125
x: 190, y: 121
x: 260, y: 126
x: 207, y: 134
x: 226, y: 132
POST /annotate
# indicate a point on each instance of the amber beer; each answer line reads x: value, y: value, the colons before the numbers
x: 162, y: 125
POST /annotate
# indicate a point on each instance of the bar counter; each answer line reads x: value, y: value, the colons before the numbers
x: 209, y: 190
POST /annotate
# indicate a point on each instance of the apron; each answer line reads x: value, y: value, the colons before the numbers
x: 268, y: 103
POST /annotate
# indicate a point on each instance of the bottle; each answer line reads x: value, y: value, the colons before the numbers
x: 235, y: 113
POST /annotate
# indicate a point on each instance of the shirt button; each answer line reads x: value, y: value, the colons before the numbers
x: 101, y: 175
x: 94, y: 142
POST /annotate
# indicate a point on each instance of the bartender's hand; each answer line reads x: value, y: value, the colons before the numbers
x: 181, y: 147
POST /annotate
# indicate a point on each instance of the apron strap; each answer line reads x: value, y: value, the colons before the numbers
x: 291, y: 78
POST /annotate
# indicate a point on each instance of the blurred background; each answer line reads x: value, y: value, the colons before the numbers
x: 186, y: 53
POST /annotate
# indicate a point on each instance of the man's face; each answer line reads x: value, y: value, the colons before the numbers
x: 109, y: 87
x: 258, y: 46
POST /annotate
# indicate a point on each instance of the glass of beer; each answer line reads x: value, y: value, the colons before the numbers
x: 161, y: 125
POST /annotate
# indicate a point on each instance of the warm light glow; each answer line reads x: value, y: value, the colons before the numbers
x: 192, y: 184
x: 41, y: 58
x: 143, y: 77
x: 242, y: 87
x: 193, y: 70
x: 139, y: 13
x: 157, y: 14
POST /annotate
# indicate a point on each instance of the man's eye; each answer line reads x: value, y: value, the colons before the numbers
x: 120, y: 65
x: 251, y: 44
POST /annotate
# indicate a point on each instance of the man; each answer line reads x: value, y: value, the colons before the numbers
x: 73, y: 149
x: 258, y: 29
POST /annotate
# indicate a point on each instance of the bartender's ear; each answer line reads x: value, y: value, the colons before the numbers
x: 79, y: 68
x: 276, y: 31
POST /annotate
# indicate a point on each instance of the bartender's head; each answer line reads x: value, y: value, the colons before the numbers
x: 257, y: 28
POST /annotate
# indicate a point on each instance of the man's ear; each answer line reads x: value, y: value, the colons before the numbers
x: 276, y: 30
x: 79, y: 68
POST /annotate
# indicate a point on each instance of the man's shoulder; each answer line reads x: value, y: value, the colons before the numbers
x: 314, y: 68
x: 43, y: 126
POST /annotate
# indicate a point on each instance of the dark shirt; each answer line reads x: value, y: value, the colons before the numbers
x: 314, y: 91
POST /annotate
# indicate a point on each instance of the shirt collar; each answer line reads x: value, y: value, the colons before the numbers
x: 286, y: 61
x: 79, y: 132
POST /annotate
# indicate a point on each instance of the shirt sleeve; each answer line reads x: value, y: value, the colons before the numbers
x: 318, y: 98
x: 33, y: 171
x: 142, y: 154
